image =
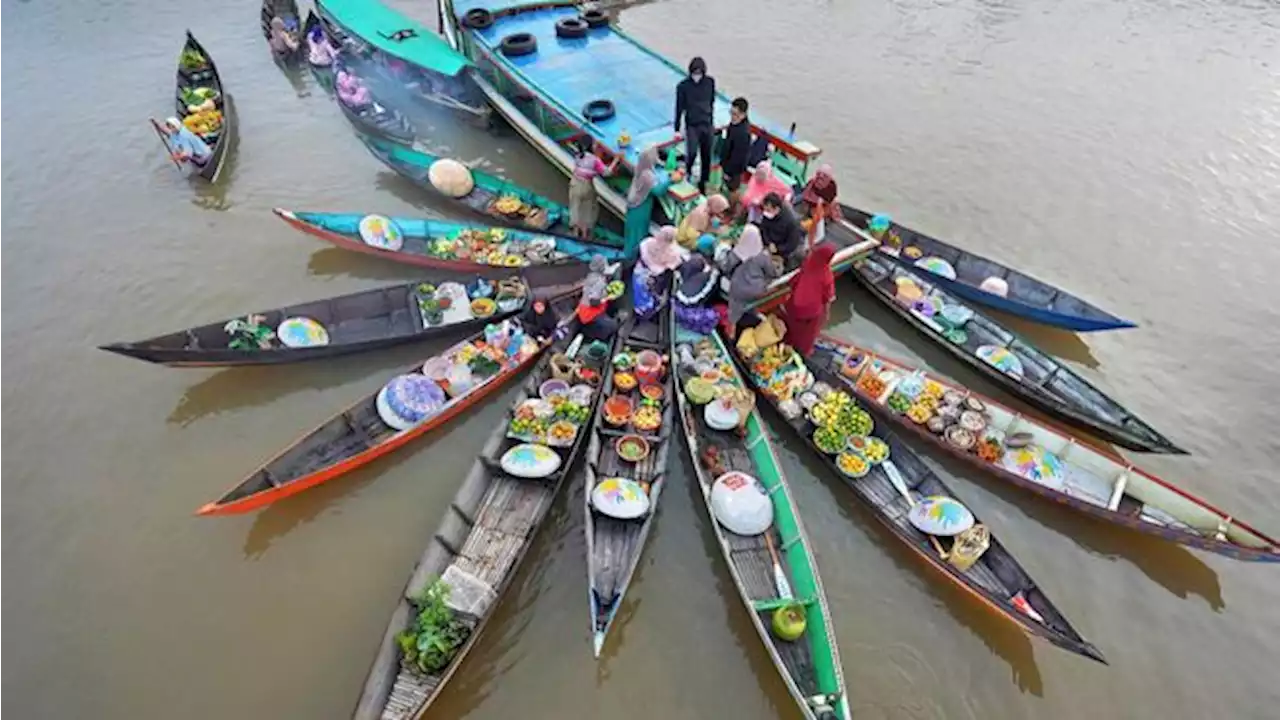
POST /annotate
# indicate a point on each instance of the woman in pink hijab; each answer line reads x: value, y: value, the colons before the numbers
x: 659, y: 256
x: 351, y: 91
x: 763, y: 181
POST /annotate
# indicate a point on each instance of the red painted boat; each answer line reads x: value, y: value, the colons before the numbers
x: 357, y: 436
x: 1069, y: 469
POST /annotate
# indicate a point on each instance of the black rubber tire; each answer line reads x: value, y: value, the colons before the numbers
x: 571, y: 27
x: 518, y: 44
x: 595, y: 18
x: 598, y: 110
x: 477, y: 19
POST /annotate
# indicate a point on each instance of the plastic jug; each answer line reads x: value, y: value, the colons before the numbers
x: 459, y: 379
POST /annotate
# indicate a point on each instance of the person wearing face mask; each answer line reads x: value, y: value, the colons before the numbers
x: 695, y: 105
x: 781, y: 230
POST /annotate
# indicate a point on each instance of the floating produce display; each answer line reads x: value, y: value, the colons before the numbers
x: 625, y: 472
x: 1038, y: 456
x: 387, y: 419
x: 367, y: 320
x: 468, y: 564
x: 982, y: 280
x: 1009, y: 360
x: 903, y: 492
x: 758, y: 530
x: 203, y: 105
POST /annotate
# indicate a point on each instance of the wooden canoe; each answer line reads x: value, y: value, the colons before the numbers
x: 358, y: 322
x: 356, y: 437
x: 1044, y: 381
x: 810, y: 666
x: 996, y: 579
x: 614, y: 546
x: 342, y: 229
x: 286, y: 10
x: 208, y: 77
x: 1098, y: 483
x: 1027, y: 297
x: 483, y: 538
x: 550, y: 217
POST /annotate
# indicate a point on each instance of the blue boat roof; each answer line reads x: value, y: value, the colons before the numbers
x: 607, y: 64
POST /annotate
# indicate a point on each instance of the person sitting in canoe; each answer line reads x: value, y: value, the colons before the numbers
x: 282, y: 41
x: 319, y: 52
x: 781, y: 230
x: 694, y: 284
x: 695, y: 105
x: 539, y: 320
x: 737, y: 146
x: 584, y: 204
x: 659, y: 257
x: 593, y: 311
x: 750, y: 270
x: 700, y: 227
x: 820, y: 195
x: 351, y: 91
x: 184, y: 145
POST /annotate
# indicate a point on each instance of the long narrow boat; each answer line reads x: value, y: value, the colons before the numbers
x: 407, y: 53
x: 809, y: 665
x: 360, y: 434
x: 205, y: 78
x: 1096, y: 482
x: 614, y: 544
x: 531, y: 210
x: 286, y: 10
x: 962, y: 273
x: 474, y: 555
x: 558, y: 73
x: 995, y: 578
x: 1005, y: 357
x: 366, y: 320
x: 452, y: 245
x: 322, y: 73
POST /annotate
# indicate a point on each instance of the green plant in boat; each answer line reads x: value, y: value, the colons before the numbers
x: 436, y: 634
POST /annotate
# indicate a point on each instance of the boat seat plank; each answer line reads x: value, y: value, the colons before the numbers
x: 613, y: 542
x: 798, y: 658
x: 408, y: 694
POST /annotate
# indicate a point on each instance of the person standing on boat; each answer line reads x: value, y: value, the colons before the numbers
x: 813, y: 289
x: 737, y: 146
x: 584, y: 204
x: 640, y: 198
x: 781, y: 230
x: 184, y: 145
x: 695, y: 104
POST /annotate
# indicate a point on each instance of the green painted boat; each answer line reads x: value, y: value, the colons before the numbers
x: 406, y: 51
x: 809, y: 665
x: 542, y: 213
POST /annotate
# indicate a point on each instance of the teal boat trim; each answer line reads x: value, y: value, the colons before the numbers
x: 394, y: 34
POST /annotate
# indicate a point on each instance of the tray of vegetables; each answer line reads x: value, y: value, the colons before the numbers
x: 829, y: 440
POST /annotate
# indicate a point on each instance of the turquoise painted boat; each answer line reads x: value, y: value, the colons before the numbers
x: 451, y: 245
x: 536, y: 212
x: 549, y: 68
x: 810, y: 664
x: 406, y: 51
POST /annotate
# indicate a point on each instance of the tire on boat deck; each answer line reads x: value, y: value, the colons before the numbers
x: 595, y: 18
x: 477, y: 19
x: 598, y: 110
x: 518, y: 44
x: 571, y: 27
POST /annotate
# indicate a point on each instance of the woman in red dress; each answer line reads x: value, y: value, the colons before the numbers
x: 813, y: 290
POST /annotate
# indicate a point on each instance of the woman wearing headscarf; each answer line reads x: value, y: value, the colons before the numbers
x: 821, y: 193
x: 698, y: 227
x: 319, y: 52
x: 539, y: 320
x: 584, y: 204
x: 695, y: 282
x: 640, y: 197
x: 593, y: 310
x: 352, y: 92
x: 812, y: 291
x: 652, y: 276
x: 763, y: 181
x: 280, y: 39
x: 752, y: 271
x: 184, y: 145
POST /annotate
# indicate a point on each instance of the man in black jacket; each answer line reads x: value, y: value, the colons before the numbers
x: 780, y: 229
x: 695, y: 104
x: 737, y: 145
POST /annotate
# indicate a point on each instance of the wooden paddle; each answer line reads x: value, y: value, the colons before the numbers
x: 163, y: 141
x: 779, y: 577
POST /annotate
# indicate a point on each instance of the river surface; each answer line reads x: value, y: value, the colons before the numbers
x: 1128, y: 151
